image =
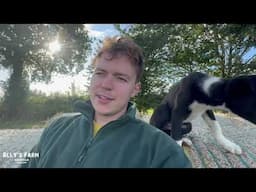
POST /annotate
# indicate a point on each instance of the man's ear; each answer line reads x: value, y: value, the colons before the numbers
x: 137, y: 89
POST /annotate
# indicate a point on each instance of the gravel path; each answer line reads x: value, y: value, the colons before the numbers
x: 204, y: 153
x: 16, y: 141
x: 207, y: 153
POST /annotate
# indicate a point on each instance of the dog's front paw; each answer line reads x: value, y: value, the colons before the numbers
x: 184, y: 141
x: 233, y: 148
x: 179, y: 142
x: 236, y: 149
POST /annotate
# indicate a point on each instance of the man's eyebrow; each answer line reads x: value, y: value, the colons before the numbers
x: 115, y: 74
x: 99, y: 69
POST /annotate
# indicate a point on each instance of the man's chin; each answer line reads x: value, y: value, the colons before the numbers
x: 103, y: 110
x: 105, y: 113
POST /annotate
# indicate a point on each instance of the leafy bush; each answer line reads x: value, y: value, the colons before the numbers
x: 40, y: 107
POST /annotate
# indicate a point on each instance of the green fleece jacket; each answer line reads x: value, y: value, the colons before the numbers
x: 127, y: 142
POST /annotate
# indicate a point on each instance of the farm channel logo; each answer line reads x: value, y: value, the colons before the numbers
x: 20, y: 157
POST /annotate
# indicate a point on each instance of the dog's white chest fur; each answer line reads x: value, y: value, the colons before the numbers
x: 197, y: 109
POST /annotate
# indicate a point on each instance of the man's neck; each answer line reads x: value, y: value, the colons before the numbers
x: 104, y: 119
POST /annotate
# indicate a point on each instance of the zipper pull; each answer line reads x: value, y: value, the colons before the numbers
x: 80, y: 158
x: 85, y: 150
x: 90, y: 142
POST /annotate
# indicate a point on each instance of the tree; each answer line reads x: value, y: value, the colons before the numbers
x: 173, y: 50
x: 152, y: 38
x: 24, y: 48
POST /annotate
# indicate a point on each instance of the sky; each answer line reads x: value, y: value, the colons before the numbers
x: 62, y: 83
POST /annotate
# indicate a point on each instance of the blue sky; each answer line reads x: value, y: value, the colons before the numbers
x: 102, y: 30
x: 250, y: 54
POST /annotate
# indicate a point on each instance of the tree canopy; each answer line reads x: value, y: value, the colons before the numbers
x: 174, y: 50
x: 24, y: 49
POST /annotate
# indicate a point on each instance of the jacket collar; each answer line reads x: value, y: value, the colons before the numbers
x: 86, y: 108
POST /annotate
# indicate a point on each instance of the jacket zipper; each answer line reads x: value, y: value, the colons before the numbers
x: 85, y: 148
x: 82, y: 156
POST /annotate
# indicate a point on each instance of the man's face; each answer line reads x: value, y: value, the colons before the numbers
x: 112, y: 85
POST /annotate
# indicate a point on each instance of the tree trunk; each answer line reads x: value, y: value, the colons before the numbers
x: 16, y: 93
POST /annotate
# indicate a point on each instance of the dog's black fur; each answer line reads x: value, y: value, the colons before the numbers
x: 197, y: 94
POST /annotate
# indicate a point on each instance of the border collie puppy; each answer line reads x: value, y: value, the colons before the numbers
x: 197, y: 95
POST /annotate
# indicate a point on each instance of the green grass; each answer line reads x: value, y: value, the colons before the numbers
x: 21, y: 124
x: 148, y: 112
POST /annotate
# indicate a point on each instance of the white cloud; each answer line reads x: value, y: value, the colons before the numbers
x: 100, y: 31
x: 92, y: 32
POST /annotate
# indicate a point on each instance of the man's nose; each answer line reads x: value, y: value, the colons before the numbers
x: 107, y: 82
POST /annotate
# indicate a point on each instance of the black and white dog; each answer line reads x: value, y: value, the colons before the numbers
x: 197, y: 94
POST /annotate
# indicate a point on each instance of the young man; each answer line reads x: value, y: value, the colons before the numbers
x: 106, y: 134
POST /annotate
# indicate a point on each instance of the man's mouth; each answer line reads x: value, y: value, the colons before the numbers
x: 104, y: 98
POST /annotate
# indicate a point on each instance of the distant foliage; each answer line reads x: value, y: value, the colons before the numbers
x: 173, y: 50
x: 41, y: 107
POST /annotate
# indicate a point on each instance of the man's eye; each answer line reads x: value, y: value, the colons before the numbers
x: 98, y: 73
x: 122, y: 79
